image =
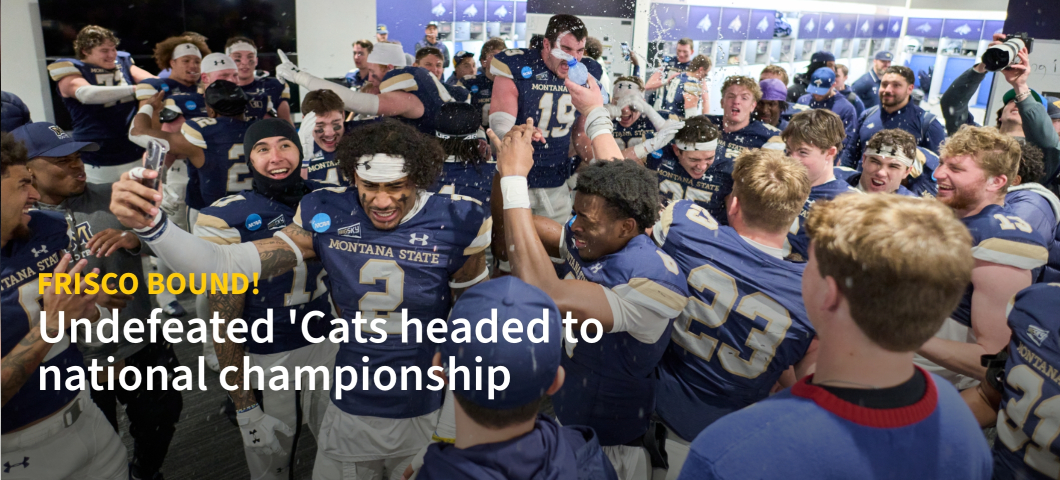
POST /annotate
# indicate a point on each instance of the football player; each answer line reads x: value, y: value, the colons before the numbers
x: 47, y: 432
x: 98, y: 89
x: 183, y: 55
x: 506, y: 437
x: 1019, y: 381
x: 689, y: 169
x: 323, y: 126
x: 884, y: 271
x: 357, y: 77
x: 267, y: 95
x: 683, y: 93
x: 481, y: 86
x: 888, y: 159
x: 255, y: 214
x: 469, y: 165
x: 388, y: 246
x: 1034, y: 203
x: 977, y: 165
x: 739, y: 132
x: 814, y: 138
x: 671, y: 67
x: 410, y: 94
x: 745, y: 324
x: 614, y: 274
x: 636, y: 122
x: 529, y: 83
x: 821, y: 94
x: 430, y: 58
x: 463, y: 67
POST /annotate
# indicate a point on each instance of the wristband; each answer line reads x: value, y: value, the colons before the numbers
x: 245, y: 410
x: 150, y: 234
x: 515, y: 192
x: 598, y: 122
x: 147, y: 110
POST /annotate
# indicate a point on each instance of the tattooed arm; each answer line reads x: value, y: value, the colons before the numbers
x: 22, y: 361
x: 230, y: 354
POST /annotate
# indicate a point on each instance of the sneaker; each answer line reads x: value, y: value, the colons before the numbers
x: 174, y: 309
x: 212, y: 363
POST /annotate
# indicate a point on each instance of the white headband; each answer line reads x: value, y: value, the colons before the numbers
x: 186, y: 49
x: 697, y: 147
x: 387, y: 54
x: 381, y: 168
x: 215, y: 62
x: 240, y: 47
x: 891, y: 151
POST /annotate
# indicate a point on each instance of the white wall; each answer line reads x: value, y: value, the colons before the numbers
x: 23, y: 69
x: 326, y: 31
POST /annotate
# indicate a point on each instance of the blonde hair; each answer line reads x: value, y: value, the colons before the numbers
x: 771, y: 189
x: 745, y: 82
x: 776, y: 70
x: 902, y: 263
x: 994, y: 152
x: 164, y: 50
x: 91, y: 37
x: 818, y: 127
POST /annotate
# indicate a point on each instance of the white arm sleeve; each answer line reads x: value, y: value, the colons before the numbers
x: 357, y: 102
x: 501, y: 123
x: 643, y: 323
x: 99, y: 95
x: 185, y: 253
x: 646, y: 109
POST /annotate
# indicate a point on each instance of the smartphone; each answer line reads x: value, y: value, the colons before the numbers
x: 155, y: 158
x: 625, y: 51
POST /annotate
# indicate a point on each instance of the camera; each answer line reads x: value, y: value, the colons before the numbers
x: 1003, y: 55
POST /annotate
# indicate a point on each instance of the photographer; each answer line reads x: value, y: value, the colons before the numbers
x: 1032, y: 121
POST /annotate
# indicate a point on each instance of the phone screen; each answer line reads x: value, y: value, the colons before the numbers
x: 156, y: 156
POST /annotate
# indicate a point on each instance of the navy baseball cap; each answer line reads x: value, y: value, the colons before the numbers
x: 44, y: 139
x: 822, y: 57
x: 884, y: 56
x: 462, y: 55
x: 381, y: 28
x: 1053, y: 107
x: 821, y: 82
x: 531, y: 366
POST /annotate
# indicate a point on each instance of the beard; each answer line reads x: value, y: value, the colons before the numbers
x: 960, y: 200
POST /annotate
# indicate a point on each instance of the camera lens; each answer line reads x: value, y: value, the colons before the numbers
x: 1000, y: 56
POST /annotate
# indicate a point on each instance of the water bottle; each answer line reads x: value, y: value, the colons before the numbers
x: 577, y: 72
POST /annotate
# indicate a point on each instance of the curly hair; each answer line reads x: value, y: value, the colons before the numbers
x: 698, y: 129
x: 423, y: 155
x: 593, y: 48
x: 1032, y: 166
x: 746, y: 82
x: 994, y: 152
x: 164, y: 50
x: 91, y: 37
x: 12, y: 153
x: 894, y: 136
x: 630, y: 189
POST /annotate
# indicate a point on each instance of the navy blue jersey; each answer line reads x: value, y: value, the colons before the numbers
x: 923, y: 125
x: 638, y: 131
x: 473, y: 180
x: 481, y: 88
x: 672, y: 95
x: 797, y: 238
x: 611, y: 383
x: 106, y: 124
x: 839, y: 105
x: 921, y: 179
x: 322, y: 167
x: 225, y: 171
x: 1041, y: 209
x: 23, y: 261
x: 459, y: 94
x: 380, y: 273
x: 806, y: 432
x: 265, y: 94
x: 1027, y: 427
x: 667, y: 66
x: 354, y: 80
x: 755, y: 135
x: 187, y: 99
x: 419, y: 82
x: 744, y: 325
x: 549, y: 451
x: 250, y: 216
x: 867, y: 88
x: 708, y: 191
x: 543, y: 97
x: 855, y: 100
x: 1000, y: 237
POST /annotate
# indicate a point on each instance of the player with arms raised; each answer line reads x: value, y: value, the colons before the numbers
x: 266, y: 94
x: 388, y: 245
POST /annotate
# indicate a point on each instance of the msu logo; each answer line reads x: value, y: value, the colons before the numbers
x: 59, y: 133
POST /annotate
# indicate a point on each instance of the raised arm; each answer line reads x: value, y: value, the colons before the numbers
x: 75, y: 86
x: 597, y: 121
x: 143, y: 128
x: 954, y: 101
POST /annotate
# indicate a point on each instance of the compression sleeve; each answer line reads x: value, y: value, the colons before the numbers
x: 172, y: 245
x: 99, y: 95
x: 357, y: 102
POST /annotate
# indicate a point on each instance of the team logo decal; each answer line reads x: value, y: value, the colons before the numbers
x: 351, y: 231
x: 253, y: 222
x: 277, y: 223
x: 526, y: 72
x: 542, y: 76
x: 43, y: 251
x: 321, y: 222
x: 1037, y: 335
x: 421, y: 240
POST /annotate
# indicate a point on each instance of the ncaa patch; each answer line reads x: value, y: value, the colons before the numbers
x: 474, y: 89
x: 351, y: 231
x: 1037, y: 335
x: 526, y: 72
x: 190, y: 105
x: 165, y: 87
x: 321, y: 222
x: 657, y: 154
x: 253, y: 222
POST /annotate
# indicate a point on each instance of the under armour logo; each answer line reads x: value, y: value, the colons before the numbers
x: 24, y: 463
x: 739, y: 138
x: 256, y: 440
x: 414, y: 239
x: 43, y: 251
x: 596, y: 268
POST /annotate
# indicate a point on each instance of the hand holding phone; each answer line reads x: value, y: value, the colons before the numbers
x: 154, y: 160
